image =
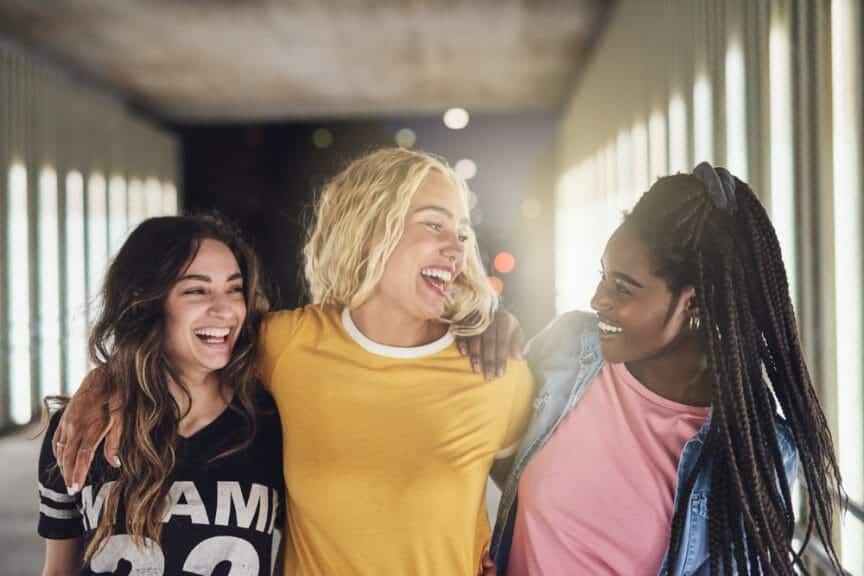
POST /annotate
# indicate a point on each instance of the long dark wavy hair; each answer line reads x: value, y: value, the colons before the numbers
x: 754, y: 358
x: 128, y: 341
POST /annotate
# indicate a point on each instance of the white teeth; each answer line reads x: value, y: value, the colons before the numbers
x: 213, y: 332
x: 444, y: 275
x: 608, y: 328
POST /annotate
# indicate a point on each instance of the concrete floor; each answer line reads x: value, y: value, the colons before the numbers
x: 20, y: 547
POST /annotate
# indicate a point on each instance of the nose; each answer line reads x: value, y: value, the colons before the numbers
x: 220, y: 306
x: 454, y: 249
x: 600, y: 302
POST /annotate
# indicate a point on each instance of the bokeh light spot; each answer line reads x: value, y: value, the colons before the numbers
x: 406, y: 138
x: 466, y: 168
x: 504, y: 262
x: 322, y: 138
x: 456, y: 118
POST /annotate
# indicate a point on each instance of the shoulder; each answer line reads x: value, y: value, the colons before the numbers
x: 54, y: 415
x: 266, y: 411
x: 518, y: 374
x: 283, y: 324
x: 567, y: 335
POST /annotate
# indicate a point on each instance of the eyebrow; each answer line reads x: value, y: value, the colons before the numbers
x: 203, y: 278
x: 621, y: 276
x: 442, y: 210
x: 627, y: 279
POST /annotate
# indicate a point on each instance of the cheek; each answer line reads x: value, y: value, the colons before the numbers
x: 645, y: 326
x: 173, y: 331
x: 178, y: 320
x: 240, y: 311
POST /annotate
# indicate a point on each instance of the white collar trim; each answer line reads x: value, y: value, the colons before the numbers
x: 393, y: 351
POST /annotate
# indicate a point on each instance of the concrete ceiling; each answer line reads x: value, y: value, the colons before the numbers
x: 194, y: 60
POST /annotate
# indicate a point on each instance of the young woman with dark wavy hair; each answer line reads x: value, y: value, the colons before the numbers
x: 201, y: 481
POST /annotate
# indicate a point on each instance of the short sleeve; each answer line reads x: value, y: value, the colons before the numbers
x: 59, y: 514
x: 275, y: 334
x: 522, y: 398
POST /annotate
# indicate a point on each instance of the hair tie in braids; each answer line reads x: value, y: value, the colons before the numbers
x: 719, y: 184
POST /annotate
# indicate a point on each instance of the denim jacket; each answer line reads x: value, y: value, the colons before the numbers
x: 565, y: 359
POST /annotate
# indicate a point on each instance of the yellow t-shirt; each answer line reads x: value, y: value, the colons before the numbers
x: 386, y: 450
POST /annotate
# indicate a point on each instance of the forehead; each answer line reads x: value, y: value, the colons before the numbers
x: 625, y: 252
x: 213, y: 256
x: 436, y: 189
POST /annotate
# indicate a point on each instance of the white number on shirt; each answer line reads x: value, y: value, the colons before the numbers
x: 149, y: 560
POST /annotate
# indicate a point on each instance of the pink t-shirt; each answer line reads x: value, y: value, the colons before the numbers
x: 597, y: 498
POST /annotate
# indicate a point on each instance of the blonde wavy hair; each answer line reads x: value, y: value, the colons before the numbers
x: 359, y: 219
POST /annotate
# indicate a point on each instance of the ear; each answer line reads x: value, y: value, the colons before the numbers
x: 687, y: 304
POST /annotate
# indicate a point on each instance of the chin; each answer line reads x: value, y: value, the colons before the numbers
x: 612, y: 354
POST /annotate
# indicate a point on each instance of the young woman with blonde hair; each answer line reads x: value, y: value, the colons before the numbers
x: 388, y: 435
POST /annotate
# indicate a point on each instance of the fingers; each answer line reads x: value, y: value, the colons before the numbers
x: 66, y: 460
x: 111, y: 449
x: 487, y: 566
x: 83, y: 457
x: 57, y: 443
x: 82, y: 426
x: 502, y: 346
x: 475, y: 350
x: 462, y: 346
x: 83, y: 460
x: 490, y: 344
x: 517, y: 343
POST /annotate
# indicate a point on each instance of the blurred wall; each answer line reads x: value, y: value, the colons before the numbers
x: 77, y: 170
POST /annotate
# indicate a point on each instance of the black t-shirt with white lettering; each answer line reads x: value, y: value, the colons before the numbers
x: 224, y: 517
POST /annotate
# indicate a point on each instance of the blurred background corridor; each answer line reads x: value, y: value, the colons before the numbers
x: 559, y: 113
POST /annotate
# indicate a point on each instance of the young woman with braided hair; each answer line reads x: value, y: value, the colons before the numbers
x: 658, y: 445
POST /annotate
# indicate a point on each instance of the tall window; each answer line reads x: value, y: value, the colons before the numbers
x: 50, y: 377
x: 566, y: 210
x: 170, y: 201
x: 782, y: 152
x: 117, y: 220
x: 624, y: 185
x: 736, y: 110
x: 703, y: 120
x: 137, y: 203
x: 848, y: 220
x: 76, y: 282
x: 678, y: 160
x: 657, y: 145
x: 153, y: 195
x: 19, y: 294
x: 97, y: 240
x: 641, y: 171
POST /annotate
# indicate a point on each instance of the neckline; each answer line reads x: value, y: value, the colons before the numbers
x: 393, y: 351
x: 204, y: 430
x: 649, y: 395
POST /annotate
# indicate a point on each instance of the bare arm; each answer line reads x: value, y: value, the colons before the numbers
x: 63, y: 557
x: 490, y: 351
x: 89, y: 418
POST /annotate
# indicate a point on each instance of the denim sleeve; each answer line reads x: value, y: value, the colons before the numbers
x: 560, y: 339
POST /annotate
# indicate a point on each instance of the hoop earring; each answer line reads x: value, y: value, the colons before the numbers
x: 695, y: 322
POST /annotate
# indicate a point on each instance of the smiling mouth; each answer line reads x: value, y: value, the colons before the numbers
x: 608, y: 329
x: 439, y: 279
x: 213, y: 335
